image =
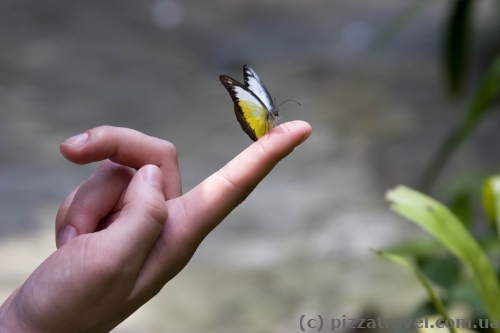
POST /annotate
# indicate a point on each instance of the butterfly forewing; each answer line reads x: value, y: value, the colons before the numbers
x: 255, y: 84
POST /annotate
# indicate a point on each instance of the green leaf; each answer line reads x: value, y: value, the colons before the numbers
x: 423, y: 309
x: 465, y: 182
x: 457, y: 42
x: 461, y: 207
x: 466, y: 293
x: 417, y: 248
x: 440, y: 222
x: 491, y: 200
x: 487, y: 93
x: 423, y: 248
x: 443, y: 271
x: 436, y: 301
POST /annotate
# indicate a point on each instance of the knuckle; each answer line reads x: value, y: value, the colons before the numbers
x: 240, y: 189
x: 101, y: 132
x: 169, y: 149
x: 225, y: 174
x: 104, y: 128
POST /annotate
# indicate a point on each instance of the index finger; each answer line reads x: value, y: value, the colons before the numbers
x: 192, y: 216
x: 129, y: 148
x: 211, y: 201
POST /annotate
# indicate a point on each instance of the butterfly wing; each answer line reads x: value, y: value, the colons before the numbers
x: 251, y: 113
x: 255, y: 84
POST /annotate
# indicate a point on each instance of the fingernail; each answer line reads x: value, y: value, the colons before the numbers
x: 77, y: 140
x: 152, y: 175
x: 68, y: 233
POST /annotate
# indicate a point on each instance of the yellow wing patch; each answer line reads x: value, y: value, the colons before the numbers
x: 255, y: 116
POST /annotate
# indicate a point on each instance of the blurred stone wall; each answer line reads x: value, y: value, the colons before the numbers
x: 300, y: 243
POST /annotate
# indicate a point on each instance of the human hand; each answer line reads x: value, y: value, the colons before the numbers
x: 122, y: 236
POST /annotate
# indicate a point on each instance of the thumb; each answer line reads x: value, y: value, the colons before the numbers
x: 143, y: 215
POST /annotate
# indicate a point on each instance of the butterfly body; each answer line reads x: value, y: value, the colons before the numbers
x: 253, y: 105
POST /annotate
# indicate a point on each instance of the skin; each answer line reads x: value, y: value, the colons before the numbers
x: 122, y: 236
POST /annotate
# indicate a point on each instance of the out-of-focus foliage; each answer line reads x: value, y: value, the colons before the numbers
x: 462, y: 239
x: 457, y: 36
x: 442, y: 224
x: 436, y: 300
x: 457, y: 42
x: 446, y: 269
x: 410, y: 14
x: 491, y: 200
x: 461, y: 207
x: 487, y: 93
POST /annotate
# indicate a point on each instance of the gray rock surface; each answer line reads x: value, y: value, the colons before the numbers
x: 300, y: 243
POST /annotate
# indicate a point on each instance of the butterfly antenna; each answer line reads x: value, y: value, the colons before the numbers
x: 276, y: 120
x: 288, y: 100
x: 284, y: 124
x: 281, y: 128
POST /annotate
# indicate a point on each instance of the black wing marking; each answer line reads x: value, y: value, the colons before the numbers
x: 230, y: 84
x: 244, y: 125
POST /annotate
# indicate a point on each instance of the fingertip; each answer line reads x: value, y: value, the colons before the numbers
x: 95, y: 144
x: 63, y: 210
x: 294, y: 132
x: 71, y: 147
x: 303, y: 128
x: 68, y: 233
x: 283, y: 139
x: 152, y: 175
x: 76, y: 141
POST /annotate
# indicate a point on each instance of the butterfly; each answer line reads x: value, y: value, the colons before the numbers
x: 255, y: 109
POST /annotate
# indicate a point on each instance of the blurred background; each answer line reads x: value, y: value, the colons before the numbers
x: 378, y: 80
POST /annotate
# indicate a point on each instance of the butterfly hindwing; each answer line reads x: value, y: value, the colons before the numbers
x: 251, y: 112
x: 244, y: 124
